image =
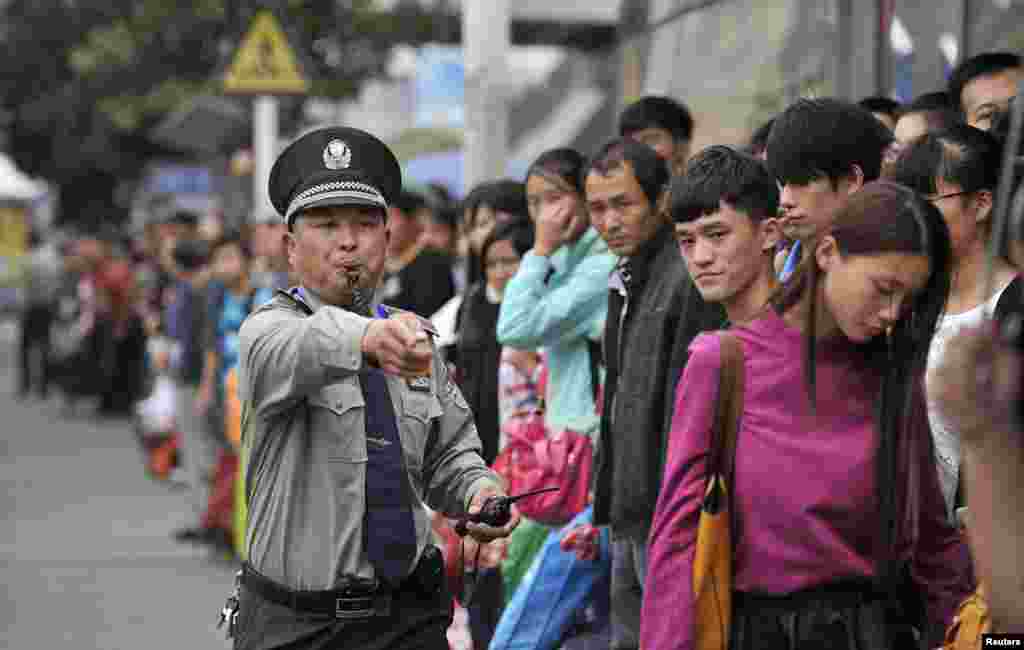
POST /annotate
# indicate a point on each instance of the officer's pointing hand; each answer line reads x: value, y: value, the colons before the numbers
x: 481, y: 532
x: 397, y: 347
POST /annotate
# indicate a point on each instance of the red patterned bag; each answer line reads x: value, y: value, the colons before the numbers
x: 531, y: 460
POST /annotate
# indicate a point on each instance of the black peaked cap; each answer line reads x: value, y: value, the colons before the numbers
x: 334, y: 166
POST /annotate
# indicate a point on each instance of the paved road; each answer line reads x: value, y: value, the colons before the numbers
x: 85, y: 552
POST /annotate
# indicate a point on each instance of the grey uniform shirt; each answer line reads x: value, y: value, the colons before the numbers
x: 305, y: 443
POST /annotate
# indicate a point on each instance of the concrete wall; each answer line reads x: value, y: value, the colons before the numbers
x: 737, y: 62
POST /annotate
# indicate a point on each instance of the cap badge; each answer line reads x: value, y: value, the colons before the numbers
x: 337, y: 155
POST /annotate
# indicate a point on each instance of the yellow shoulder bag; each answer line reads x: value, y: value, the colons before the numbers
x: 712, y: 566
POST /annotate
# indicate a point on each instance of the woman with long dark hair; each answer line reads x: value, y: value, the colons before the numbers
x: 478, y: 352
x: 835, y: 494
x: 478, y: 357
x: 957, y: 170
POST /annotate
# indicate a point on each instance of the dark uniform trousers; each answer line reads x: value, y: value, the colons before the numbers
x: 416, y: 622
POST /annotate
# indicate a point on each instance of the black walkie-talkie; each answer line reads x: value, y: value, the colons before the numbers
x: 496, y: 511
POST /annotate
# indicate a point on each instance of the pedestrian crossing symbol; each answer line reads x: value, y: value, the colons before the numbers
x: 265, y: 63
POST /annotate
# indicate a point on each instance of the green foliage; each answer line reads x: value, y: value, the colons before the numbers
x: 83, y: 83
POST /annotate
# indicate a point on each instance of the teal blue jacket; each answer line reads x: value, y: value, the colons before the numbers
x: 561, y: 315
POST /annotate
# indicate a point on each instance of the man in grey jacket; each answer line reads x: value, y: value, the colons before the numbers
x: 350, y: 424
x: 654, y: 312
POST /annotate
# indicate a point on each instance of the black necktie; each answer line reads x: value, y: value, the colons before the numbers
x: 389, y: 527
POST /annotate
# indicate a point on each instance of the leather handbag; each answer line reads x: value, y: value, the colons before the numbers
x: 712, y: 565
x: 972, y: 620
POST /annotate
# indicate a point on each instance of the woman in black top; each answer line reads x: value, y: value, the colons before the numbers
x: 478, y: 353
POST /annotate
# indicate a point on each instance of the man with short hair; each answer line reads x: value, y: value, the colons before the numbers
x: 982, y: 86
x: 653, y: 315
x: 724, y: 208
x: 184, y: 323
x: 350, y: 423
x: 885, y: 109
x: 417, y: 279
x: 664, y: 125
x: 927, y: 113
x: 821, y: 151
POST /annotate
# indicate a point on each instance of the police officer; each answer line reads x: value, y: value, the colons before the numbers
x: 350, y: 424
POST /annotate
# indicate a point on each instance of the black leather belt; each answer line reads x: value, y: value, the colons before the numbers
x: 358, y: 598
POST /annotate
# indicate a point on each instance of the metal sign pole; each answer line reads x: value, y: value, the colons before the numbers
x: 264, y: 66
x: 485, y: 37
x: 264, y: 141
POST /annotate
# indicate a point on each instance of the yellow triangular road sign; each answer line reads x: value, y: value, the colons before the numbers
x: 265, y: 63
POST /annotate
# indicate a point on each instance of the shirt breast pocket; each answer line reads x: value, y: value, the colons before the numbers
x: 419, y: 408
x: 338, y: 422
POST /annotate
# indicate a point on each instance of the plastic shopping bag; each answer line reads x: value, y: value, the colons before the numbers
x: 553, y: 590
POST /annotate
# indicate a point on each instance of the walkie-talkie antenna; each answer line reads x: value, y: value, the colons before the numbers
x: 530, y: 494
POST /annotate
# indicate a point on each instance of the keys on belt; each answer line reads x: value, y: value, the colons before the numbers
x: 229, y: 613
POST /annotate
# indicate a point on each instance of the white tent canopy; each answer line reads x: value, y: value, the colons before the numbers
x: 15, y: 185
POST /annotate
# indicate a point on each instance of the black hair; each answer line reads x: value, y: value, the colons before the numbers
x: 718, y: 174
x: 233, y: 238
x: 936, y: 109
x: 446, y: 215
x: 191, y: 254
x: 184, y: 218
x: 650, y: 170
x: 657, y: 112
x: 563, y: 163
x: 408, y: 202
x: 520, y: 232
x: 759, y: 138
x: 962, y: 155
x: 880, y: 104
x: 504, y: 195
x: 440, y: 193
x: 882, y: 217
x: 932, y: 101
x: 826, y: 138
x: 982, y: 65
x: 474, y: 197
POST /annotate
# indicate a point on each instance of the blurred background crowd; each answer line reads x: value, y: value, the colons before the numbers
x: 137, y: 317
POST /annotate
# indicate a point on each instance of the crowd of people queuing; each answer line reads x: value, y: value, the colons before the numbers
x: 845, y: 249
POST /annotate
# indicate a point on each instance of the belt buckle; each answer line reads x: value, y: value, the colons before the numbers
x: 347, y: 608
x: 378, y: 604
